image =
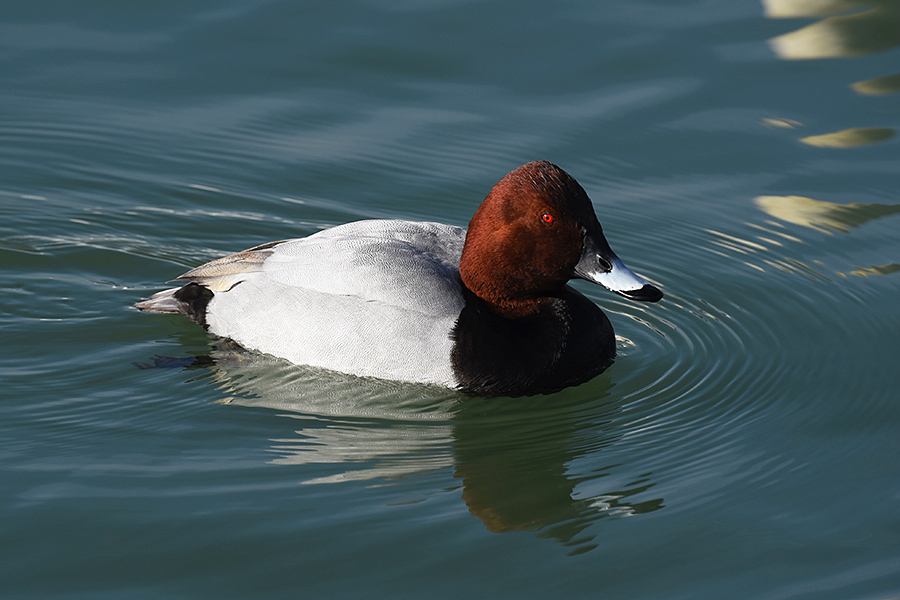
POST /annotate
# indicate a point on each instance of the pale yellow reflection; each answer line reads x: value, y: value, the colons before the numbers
x: 880, y: 86
x: 820, y: 215
x: 876, y: 270
x: 793, y: 9
x: 781, y: 123
x: 874, y: 27
x: 846, y: 28
x: 849, y: 138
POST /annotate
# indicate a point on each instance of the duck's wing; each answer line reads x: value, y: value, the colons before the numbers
x: 224, y: 273
x: 408, y: 265
x: 372, y: 298
x: 414, y: 266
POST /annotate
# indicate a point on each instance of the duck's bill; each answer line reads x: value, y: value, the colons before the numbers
x: 599, y: 264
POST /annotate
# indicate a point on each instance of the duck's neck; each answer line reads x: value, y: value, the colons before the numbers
x: 504, y: 303
x: 493, y: 268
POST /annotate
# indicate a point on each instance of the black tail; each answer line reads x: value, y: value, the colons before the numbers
x: 190, y: 300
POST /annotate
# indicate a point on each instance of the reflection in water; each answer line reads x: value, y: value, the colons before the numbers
x: 512, y: 455
x: 876, y: 270
x: 849, y: 138
x: 727, y: 245
x: 879, y: 86
x: 371, y: 428
x: 363, y: 442
x: 825, y: 217
x: 781, y: 123
x: 848, y: 28
x: 819, y: 215
x: 873, y: 27
x: 793, y: 9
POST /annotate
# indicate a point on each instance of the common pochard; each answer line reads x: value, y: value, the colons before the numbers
x: 486, y: 311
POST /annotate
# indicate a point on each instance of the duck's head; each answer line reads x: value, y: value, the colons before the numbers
x: 534, y: 232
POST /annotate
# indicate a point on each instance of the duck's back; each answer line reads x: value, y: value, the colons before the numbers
x: 371, y: 298
x: 412, y: 266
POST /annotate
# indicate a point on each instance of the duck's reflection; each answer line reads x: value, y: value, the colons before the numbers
x: 513, y: 457
x: 364, y: 428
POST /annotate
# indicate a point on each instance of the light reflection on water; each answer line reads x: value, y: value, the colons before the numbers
x: 848, y: 28
x: 823, y: 216
x: 878, y: 86
x: 766, y: 245
x: 849, y: 138
x: 845, y: 29
x: 871, y: 26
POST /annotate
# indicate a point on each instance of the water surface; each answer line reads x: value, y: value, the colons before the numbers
x: 741, y: 155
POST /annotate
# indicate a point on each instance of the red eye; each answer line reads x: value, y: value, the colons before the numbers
x: 547, y: 218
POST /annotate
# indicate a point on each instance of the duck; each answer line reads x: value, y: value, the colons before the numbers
x: 486, y: 310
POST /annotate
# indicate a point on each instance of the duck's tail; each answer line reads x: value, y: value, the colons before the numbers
x: 163, y: 302
x: 219, y: 275
x: 189, y: 300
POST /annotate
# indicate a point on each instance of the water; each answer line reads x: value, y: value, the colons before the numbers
x: 743, y: 156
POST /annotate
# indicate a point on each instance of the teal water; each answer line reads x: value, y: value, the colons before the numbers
x: 741, y: 155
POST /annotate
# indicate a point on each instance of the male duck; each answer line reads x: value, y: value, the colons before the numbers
x: 486, y: 311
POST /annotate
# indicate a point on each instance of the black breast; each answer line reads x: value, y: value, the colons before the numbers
x: 567, y: 342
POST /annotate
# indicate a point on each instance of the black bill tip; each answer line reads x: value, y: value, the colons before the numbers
x: 647, y: 293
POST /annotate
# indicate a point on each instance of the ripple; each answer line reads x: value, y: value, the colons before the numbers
x: 746, y: 341
x: 730, y: 349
